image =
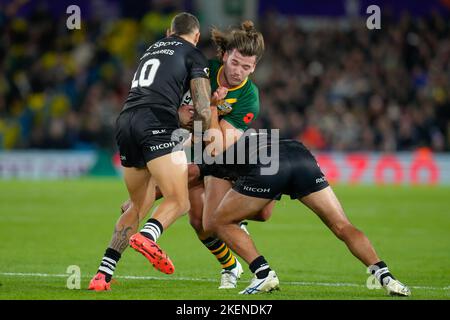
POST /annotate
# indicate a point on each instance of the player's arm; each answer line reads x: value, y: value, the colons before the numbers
x: 223, y: 135
x: 239, y: 119
x: 230, y: 133
x: 201, y: 95
x: 200, y: 87
x: 214, y: 137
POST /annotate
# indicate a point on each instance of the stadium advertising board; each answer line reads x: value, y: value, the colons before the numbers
x: 421, y: 167
x: 45, y: 165
x: 404, y: 168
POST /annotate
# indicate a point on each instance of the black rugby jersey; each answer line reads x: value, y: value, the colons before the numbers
x: 164, y: 73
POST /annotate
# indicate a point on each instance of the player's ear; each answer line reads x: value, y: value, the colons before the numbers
x: 167, y: 32
x: 197, y: 37
x: 225, y: 57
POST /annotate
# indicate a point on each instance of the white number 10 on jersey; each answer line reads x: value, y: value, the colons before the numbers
x: 144, y: 78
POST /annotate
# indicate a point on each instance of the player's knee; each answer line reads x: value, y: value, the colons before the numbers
x: 214, y: 223
x: 183, y: 206
x: 263, y: 215
x: 178, y: 205
x: 186, y: 206
x: 193, y: 172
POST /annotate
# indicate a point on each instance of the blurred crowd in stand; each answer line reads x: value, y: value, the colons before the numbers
x: 335, y: 89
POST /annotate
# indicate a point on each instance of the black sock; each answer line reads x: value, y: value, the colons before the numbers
x: 152, y: 229
x: 380, y: 271
x: 260, y: 267
x: 109, y: 262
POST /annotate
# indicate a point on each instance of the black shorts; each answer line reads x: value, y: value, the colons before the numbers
x: 143, y: 134
x: 298, y: 175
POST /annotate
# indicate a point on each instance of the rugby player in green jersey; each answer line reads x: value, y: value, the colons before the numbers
x: 239, y: 51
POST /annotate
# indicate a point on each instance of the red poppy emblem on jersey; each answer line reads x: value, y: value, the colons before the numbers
x: 249, y: 117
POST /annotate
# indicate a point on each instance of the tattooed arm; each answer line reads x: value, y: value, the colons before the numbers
x: 201, y: 96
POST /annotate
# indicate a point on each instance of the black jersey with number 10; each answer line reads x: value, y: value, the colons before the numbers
x: 164, y: 73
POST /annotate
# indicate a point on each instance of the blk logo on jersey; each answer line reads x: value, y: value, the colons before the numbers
x: 158, y: 131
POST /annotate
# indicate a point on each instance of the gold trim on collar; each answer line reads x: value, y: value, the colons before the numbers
x: 230, y: 89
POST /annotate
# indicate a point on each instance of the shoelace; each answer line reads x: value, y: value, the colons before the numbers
x: 253, y: 286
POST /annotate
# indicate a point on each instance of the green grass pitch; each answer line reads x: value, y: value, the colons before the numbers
x: 47, y: 226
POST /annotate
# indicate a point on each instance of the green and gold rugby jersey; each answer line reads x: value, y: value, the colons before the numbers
x: 243, y: 99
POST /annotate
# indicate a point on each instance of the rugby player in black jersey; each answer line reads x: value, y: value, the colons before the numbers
x: 292, y: 170
x: 148, y: 154
x: 239, y: 50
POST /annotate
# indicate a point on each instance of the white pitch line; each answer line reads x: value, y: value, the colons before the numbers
x: 294, y: 283
x: 20, y: 274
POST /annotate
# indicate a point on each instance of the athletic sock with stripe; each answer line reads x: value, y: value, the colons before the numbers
x: 152, y: 229
x: 109, y: 263
x: 381, y: 272
x: 260, y: 267
x: 221, y: 251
